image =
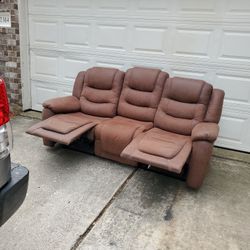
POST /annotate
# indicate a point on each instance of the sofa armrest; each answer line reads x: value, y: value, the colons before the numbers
x: 205, y: 131
x: 65, y: 104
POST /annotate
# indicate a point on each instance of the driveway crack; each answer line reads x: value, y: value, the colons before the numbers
x: 81, y: 237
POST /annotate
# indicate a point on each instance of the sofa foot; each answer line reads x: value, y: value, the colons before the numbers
x: 48, y: 143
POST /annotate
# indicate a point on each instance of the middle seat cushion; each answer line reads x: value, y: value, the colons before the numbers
x: 115, y: 134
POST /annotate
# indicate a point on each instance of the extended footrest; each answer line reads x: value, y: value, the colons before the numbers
x: 62, y: 128
x: 160, y: 149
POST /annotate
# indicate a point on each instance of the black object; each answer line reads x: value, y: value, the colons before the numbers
x: 83, y: 144
x: 13, y: 193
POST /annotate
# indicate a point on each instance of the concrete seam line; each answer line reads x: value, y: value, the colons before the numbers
x: 232, y: 159
x: 90, y: 227
x: 28, y: 116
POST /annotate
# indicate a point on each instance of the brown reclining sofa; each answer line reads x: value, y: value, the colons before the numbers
x: 138, y: 117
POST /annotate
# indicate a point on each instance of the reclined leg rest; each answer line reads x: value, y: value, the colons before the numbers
x: 160, y: 149
x: 62, y: 128
x: 47, y: 113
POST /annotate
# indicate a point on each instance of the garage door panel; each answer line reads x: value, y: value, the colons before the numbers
x: 117, y: 5
x: 76, y: 35
x: 240, y: 7
x: 66, y: 92
x: 149, y: 5
x: 42, y: 92
x: 235, y: 46
x: 44, y: 66
x: 44, y: 3
x: 75, y: 4
x: 44, y: 32
x: 194, y: 74
x: 111, y: 36
x: 45, y: 6
x: 192, y: 42
x: 234, y: 132
x: 236, y: 87
x: 72, y: 66
x: 188, y: 6
x: 154, y: 39
x: 110, y: 64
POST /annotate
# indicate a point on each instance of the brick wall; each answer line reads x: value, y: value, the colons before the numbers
x: 10, y: 55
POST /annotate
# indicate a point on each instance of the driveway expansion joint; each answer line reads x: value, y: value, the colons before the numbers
x: 81, y: 237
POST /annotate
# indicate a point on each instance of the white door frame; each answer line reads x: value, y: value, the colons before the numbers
x: 24, y: 53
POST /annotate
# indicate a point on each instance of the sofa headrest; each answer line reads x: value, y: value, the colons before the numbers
x: 184, y: 104
x: 141, y: 93
x: 188, y: 90
x: 100, y: 77
x: 101, y: 91
x: 143, y: 79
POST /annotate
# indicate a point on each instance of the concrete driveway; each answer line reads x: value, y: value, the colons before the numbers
x: 78, y: 201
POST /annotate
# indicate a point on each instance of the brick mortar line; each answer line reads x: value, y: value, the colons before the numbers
x: 99, y: 216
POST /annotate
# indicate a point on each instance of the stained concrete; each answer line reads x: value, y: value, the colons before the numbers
x: 158, y: 212
x: 79, y: 201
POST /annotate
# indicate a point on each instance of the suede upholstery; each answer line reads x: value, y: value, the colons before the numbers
x: 215, y: 106
x: 205, y: 131
x: 65, y: 104
x: 141, y: 93
x: 95, y: 95
x: 101, y: 91
x: 183, y: 105
x: 160, y: 148
x: 62, y: 128
x: 199, y: 163
x: 138, y: 117
x: 113, y: 135
x: 179, y: 123
x: 78, y: 85
x: 47, y: 113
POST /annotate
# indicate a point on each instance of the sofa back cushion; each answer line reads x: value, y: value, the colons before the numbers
x: 100, y: 91
x: 183, y: 104
x: 141, y: 93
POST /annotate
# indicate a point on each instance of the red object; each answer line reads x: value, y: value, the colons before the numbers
x: 4, y: 104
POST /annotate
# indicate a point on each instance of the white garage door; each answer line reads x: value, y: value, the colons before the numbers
x: 208, y: 40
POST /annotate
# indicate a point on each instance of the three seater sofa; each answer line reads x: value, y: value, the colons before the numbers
x: 138, y: 117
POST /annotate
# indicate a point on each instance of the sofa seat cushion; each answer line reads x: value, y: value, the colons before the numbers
x: 115, y: 134
x: 160, y: 148
x: 64, y: 128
